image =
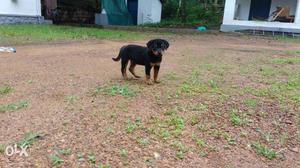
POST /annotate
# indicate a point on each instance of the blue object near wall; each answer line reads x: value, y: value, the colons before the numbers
x: 201, y: 28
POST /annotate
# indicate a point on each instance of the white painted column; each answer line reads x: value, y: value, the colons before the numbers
x: 229, y: 11
x: 297, y: 15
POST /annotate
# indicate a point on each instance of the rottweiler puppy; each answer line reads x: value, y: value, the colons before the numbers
x: 150, y: 56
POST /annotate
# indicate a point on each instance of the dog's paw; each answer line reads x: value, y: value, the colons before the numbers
x: 137, y: 76
x: 149, y: 82
x: 156, y: 81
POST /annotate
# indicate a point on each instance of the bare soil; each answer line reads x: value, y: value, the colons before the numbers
x: 58, y: 79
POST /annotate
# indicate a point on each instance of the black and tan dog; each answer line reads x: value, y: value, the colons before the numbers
x: 150, y: 56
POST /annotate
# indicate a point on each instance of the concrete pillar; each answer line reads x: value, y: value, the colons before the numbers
x: 229, y: 11
x: 297, y: 15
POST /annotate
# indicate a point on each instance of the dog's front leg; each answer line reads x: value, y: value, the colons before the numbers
x: 148, y: 77
x: 156, y: 70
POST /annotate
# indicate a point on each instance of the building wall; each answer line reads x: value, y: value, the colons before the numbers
x: 229, y: 24
x: 156, y: 11
x: 242, y: 9
x: 20, y: 7
x: 149, y: 11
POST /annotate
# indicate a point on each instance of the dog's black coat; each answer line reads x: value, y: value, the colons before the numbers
x: 150, y: 56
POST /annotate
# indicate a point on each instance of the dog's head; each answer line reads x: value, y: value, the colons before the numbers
x: 158, y: 46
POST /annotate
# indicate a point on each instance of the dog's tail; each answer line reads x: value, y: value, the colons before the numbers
x: 120, y: 54
x: 116, y: 59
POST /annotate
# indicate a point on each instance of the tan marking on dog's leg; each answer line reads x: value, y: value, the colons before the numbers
x: 124, y: 73
x: 156, y: 70
x: 148, y: 80
x: 131, y: 69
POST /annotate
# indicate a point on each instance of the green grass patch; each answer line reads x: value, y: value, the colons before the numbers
x: 5, y: 90
x: 130, y: 126
x: 180, y: 148
x: 294, y: 60
x: 17, y: 34
x: 65, y: 152
x: 124, y: 152
x: 104, y: 166
x: 235, y: 119
x: 28, y: 139
x: 166, y: 128
x: 13, y: 106
x: 71, y: 99
x: 2, y: 148
x: 92, y: 158
x: 292, y: 52
x: 250, y: 102
x: 118, y: 89
x: 264, y: 151
x: 143, y: 141
x: 267, y: 71
x: 192, y: 85
x: 55, y: 159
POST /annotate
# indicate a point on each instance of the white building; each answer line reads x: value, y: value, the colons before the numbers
x: 20, y: 11
x: 141, y: 11
x: 268, y: 15
x: 148, y: 11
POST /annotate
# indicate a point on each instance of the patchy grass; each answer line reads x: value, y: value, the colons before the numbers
x: 172, y: 126
x: 104, y: 166
x: 92, y: 158
x: 19, y: 34
x: 118, y: 89
x: 71, y: 99
x: 124, y: 153
x: 65, y: 152
x: 294, y: 60
x: 143, y: 141
x: 29, y: 138
x: 130, y: 126
x: 264, y: 151
x: 2, y: 149
x: 293, y: 52
x: 5, y: 90
x: 180, y: 148
x: 55, y: 159
x: 13, y: 106
x: 235, y: 119
x: 250, y: 102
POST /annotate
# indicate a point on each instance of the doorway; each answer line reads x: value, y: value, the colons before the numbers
x: 132, y: 6
x: 260, y: 9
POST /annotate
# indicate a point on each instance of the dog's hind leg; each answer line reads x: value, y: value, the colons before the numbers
x: 131, y: 69
x: 124, y: 67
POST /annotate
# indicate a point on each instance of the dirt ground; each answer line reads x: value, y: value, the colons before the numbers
x: 69, y: 86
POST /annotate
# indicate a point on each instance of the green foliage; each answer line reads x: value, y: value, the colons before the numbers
x: 117, y: 89
x: 131, y: 126
x: 234, y: 118
x: 191, y: 13
x: 71, y: 99
x: 13, y: 106
x: 5, y: 90
x: 294, y: 60
x: 92, y: 158
x: 29, y: 138
x: 104, y: 166
x: 264, y: 151
x: 250, y: 102
x: 55, y: 159
x: 2, y: 149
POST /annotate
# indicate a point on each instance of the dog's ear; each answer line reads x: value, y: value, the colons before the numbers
x: 152, y: 44
x: 158, y: 43
x: 165, y: 44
